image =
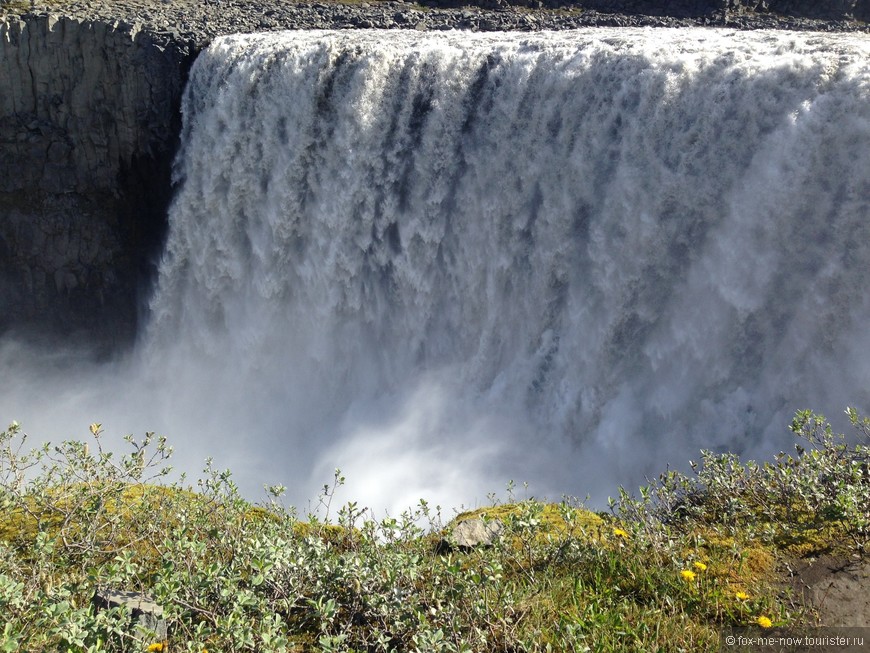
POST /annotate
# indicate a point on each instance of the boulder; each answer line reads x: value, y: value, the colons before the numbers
x: 475, y: 532
x: 146, y: 613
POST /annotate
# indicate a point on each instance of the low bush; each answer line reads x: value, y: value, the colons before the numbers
x: 665, y: 571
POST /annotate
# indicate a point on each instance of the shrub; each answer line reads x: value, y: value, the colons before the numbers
x: 664, y: 572
x: 807, y: 502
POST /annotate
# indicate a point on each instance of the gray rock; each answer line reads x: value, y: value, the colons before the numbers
x: 145, y: 613
x: 476, y: 532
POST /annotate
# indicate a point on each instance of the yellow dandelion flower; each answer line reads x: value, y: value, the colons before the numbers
x: 741, y: 596
x: 764, y: 622
x: 687, y: 575
x: 618, y: 532
x: 157, y: 647
x: 700, y: 566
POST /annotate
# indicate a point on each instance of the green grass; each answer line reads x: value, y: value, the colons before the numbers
x: 664, y: 572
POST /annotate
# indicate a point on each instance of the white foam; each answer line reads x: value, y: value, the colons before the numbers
x: 442, y: 261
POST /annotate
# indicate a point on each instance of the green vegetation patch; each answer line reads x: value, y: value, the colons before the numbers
x: 665, y: 571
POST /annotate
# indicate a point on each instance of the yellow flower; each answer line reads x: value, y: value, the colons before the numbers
x: 687, y: 575
x: 156, y: 648
x: 764, y: 622
x: 618, y: 532
x: 741, y: 596
x: 700, y: 566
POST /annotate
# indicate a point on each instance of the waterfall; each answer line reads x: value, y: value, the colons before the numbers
x: 442, y: 261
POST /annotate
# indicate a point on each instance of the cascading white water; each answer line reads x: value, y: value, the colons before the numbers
x: 440, y: 261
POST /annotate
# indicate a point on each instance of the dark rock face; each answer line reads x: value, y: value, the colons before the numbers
x: 814, y: 9
x: 826, y: 10
x: 88, y: 125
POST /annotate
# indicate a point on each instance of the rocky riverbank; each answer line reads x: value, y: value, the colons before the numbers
x: 200, y: 21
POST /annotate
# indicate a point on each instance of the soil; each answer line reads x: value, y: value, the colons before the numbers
x: 837, y: 587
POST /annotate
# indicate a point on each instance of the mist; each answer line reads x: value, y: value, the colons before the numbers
x: 442, y: 262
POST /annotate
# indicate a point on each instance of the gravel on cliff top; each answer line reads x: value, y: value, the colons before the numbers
x: 199, y: 21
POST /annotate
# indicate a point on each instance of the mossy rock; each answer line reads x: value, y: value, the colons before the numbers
x: 68, y: 509
x: 104, y: 519
x: 137, y: 516
x: 548, y: 519
x: 329, y: 533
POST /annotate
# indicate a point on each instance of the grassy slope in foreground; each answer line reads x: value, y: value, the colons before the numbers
x: 665, y: 572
